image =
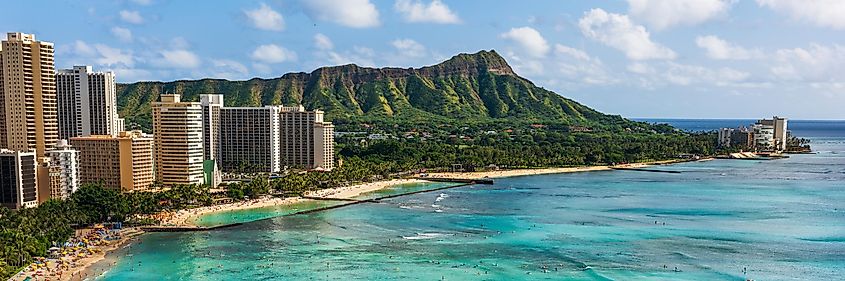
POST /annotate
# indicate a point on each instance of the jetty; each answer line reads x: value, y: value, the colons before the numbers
x: 347, y: 202
x: 458, y: 180
x: 646, y: 170
x: 185, y: 228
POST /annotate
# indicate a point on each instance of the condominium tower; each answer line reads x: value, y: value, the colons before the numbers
x: 124, y: 161
x: 177, y: 129
x: 67, y: 159
x: 28, y: 120
x: 249, y: 139
x: 18, y: 187
x: 86, y: 103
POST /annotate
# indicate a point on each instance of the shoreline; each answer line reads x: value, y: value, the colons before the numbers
x: 82, y: 268
x: 94, y: 266
x: 560, y: 170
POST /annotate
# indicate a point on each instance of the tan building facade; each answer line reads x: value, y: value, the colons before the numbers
x: 124, y: 161
x: 178, y: 133
x: 307, y: 142
x: 28, y: 110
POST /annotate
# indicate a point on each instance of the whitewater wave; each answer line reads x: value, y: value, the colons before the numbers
x: 424, y: 235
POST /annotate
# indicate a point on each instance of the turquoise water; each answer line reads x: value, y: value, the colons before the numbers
x: 780, y: 220
x: 240, y: 216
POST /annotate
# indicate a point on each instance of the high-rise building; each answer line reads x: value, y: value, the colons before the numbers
x: 18, y: 183
x: 87, y: 102
x: 249, y: 139
x: 779, y: 131
x: 211, y: 105
x: 28, y: 111
x: 301, y: 133
x: 177, y: 129
x: 124, y: 161
x: 67, y: 159
x: 323, y: 145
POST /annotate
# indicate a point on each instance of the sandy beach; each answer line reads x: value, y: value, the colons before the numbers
x: 543, y: 171
x: 78, y: 268
x: 189, y: 217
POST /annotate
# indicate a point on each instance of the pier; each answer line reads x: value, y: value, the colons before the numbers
x: 348, y: 202
x: 458, y: 180
x: 646, y: 170
x: 185, y: 228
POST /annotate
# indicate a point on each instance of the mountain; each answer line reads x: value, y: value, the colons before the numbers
x: 479, y: 86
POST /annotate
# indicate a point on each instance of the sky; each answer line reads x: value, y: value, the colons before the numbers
x: 636, y: 58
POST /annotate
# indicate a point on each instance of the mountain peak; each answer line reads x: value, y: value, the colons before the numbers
x: 481, y: 61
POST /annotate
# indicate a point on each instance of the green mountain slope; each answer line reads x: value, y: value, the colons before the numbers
x: 480, y: 86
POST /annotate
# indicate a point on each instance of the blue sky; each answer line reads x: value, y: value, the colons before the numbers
x: 637, y: 58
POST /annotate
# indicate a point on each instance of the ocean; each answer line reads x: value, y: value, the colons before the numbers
x: 716, y: 220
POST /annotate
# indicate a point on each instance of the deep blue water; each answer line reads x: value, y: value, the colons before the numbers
x: 800, y: 128
x: 717, y: 220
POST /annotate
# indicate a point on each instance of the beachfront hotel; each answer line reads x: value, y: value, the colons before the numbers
x: 764, y: 135
x: 18, y: 183
x: 265, y: 139
x: 87, y: 103
x: 307, y: 141
x: 249, y: 139
x: 124, y: 161
x: 177, y: 130
x: 28, y: 120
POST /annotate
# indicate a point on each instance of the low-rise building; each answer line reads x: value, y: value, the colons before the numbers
x: 123, y: 162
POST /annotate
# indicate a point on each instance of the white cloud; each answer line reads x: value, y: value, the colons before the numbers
x: 818, y: 63
x: 113, y: 56
x: 323, y: 42
x: 827, y: 13
x: 179, y: 59
x: 266, y: 18
x: 124, y: 34
x: 361, y: 56
x: 578, y: 67
x: 572, y: 52
x: 528, y: 39
x: 617, y: 31
x: 408, y: 48
x: 434, y: 12
x: 351, y: 13
x: 133, y: 17
x: 102, y: 55
x: 272, y: 53
x: 722, y: 50
x: 262, y: 68
x: 83, y: 49
x: 686, y: 75
x: 229, y: 69
x: 661, y: 14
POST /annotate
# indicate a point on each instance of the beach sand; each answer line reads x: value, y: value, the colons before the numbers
x: 81, y: 270
x: 543, y: 171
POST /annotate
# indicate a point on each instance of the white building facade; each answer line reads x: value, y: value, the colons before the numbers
x: 87, y: 103
x: 67, y: 159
